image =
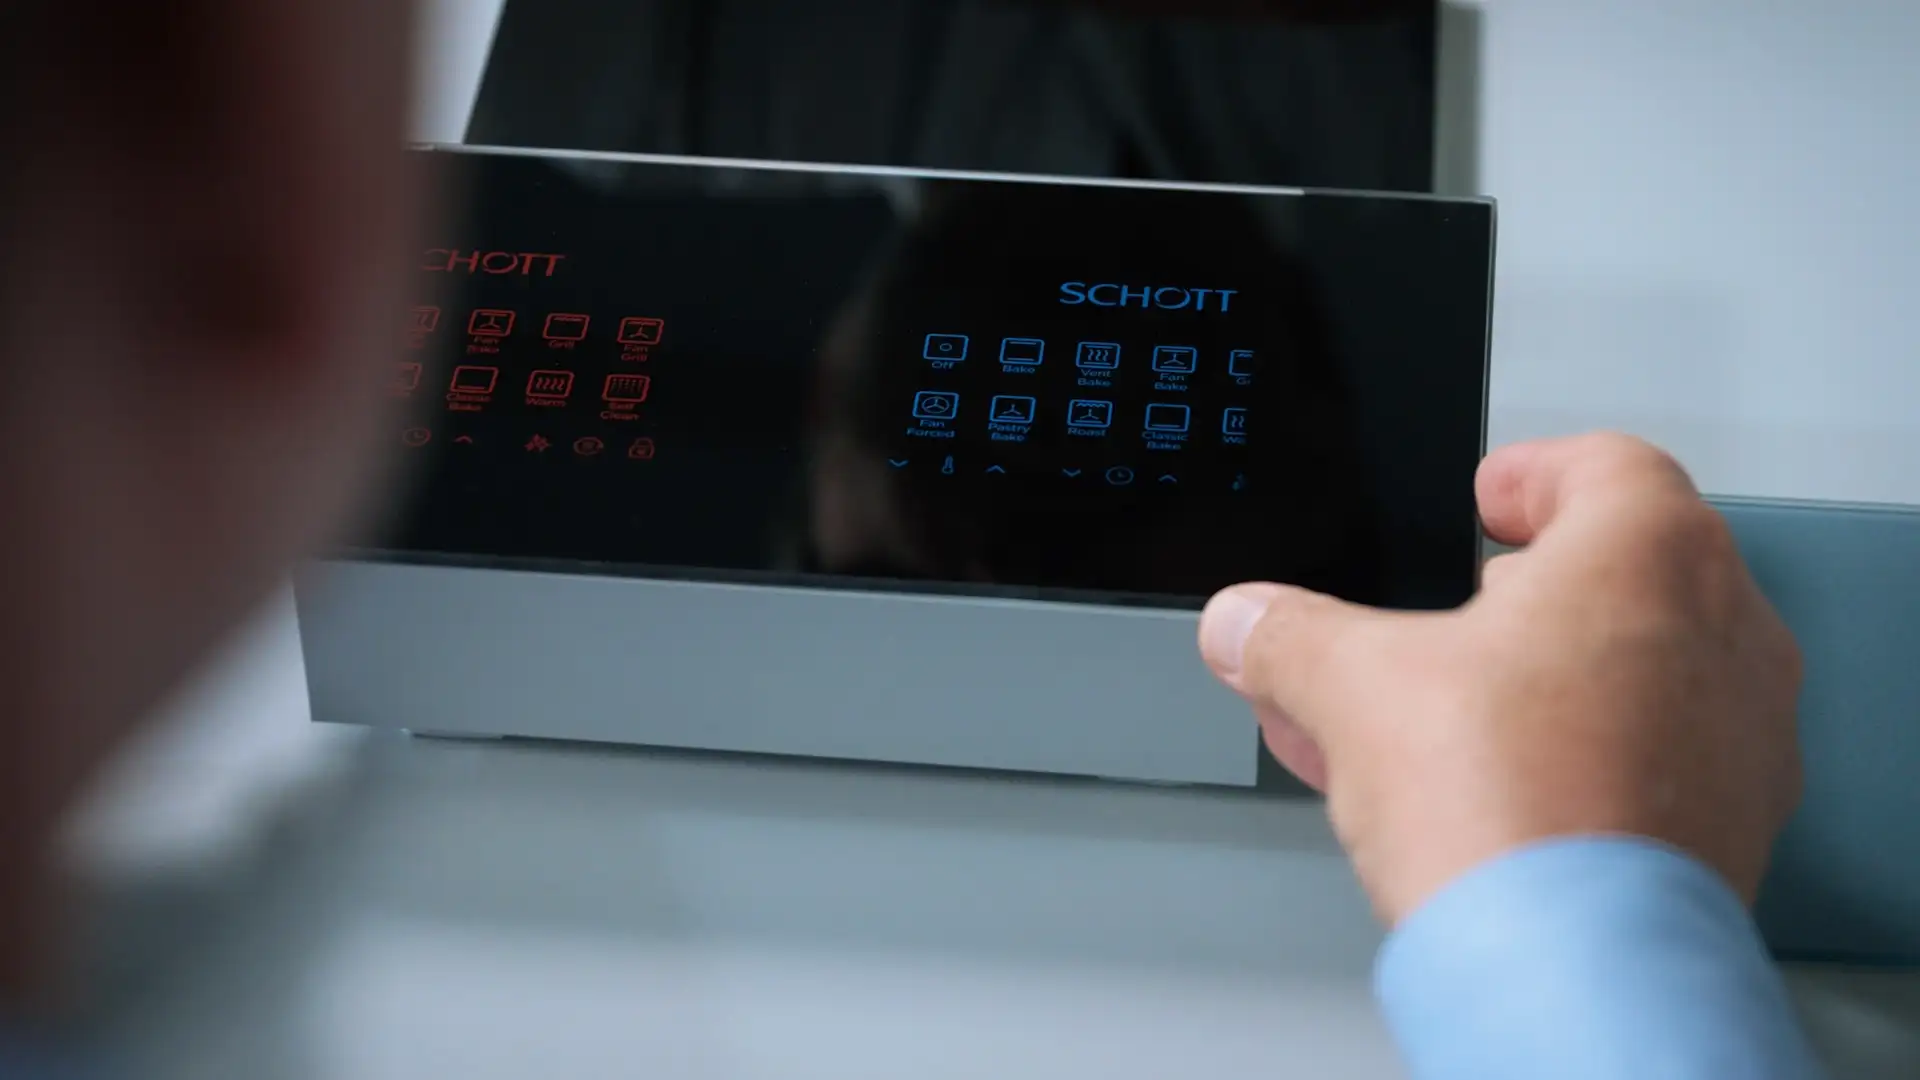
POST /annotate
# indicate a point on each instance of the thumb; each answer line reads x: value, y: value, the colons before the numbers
x: 1296, y: 650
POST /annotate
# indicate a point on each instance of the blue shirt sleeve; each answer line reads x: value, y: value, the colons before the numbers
x: 1589, y: 959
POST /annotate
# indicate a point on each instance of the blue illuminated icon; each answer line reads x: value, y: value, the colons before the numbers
x: 1168, y: 418
x: 1023, y: 351
x: 1175, y: 359
x: 946, y: 467
x: 1008, y: 409
x: 1098, y: 356
x: 936, y: 404
x: 1240, y: 363
x: 945, y: 347
x: 1119, y: 476
x: 1089, y: 414
x: 1233, y: 422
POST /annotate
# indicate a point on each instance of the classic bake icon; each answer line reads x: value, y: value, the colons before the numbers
x: 474, y: 379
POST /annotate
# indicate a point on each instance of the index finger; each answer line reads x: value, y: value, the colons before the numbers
x: 1523, y: 487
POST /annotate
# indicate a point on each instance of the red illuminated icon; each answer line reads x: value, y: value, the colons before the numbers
x: 416, y: 437
x: 641, y: 450
x: 566, y: 327
x: 425, y: 320
x: 490, y: 322
x: 626, y: 389
x: 638, y: 331
x: 550, y: 384
x: 463, y: 440
x: 407, y: 379
x: 474, y: 379
x: 538, y: 444
x: 588, y: 446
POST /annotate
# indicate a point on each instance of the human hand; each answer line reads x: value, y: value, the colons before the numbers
x: 1620, y: 675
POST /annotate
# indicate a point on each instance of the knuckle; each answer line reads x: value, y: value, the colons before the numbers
x: 1617, y: 447
x: 1618, y: 452
x: 1707, y: 533
x: 1688, y: 533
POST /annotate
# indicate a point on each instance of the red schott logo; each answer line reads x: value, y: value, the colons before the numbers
x: 523, y: 263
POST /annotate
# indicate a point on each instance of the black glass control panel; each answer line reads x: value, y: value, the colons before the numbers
x: 857, y: 379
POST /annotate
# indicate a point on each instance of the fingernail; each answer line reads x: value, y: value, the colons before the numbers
x: 1228, y: 621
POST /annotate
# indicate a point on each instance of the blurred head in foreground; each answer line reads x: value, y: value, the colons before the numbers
x: 204, y: 213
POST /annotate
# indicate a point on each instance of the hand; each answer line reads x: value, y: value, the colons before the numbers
x: 1620, y: 675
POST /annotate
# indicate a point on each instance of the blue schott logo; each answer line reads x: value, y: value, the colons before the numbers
x: 1162, y: 297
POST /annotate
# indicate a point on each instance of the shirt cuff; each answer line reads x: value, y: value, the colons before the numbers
x: 1588, y: 958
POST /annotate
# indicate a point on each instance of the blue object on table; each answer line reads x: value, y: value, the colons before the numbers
x: 1845, y: 884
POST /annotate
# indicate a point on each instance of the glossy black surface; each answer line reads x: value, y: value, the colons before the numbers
x: 1319, y: 93
x: 792, y: 333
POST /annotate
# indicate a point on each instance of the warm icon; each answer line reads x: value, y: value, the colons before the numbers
x: 552, y: 385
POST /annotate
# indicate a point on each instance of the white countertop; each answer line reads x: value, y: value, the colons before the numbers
x: 490, y: 910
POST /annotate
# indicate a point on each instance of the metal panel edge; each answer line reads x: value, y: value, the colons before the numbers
x: 929, y: 680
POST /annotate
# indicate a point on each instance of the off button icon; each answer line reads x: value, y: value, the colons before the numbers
x: 945, y: 347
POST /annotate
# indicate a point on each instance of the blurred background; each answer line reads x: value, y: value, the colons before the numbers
x: 1256, y: 91
x: 1707, y: 238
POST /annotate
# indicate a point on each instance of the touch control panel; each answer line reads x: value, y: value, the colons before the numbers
x: 1167, y: 420
x: 867, y: 380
